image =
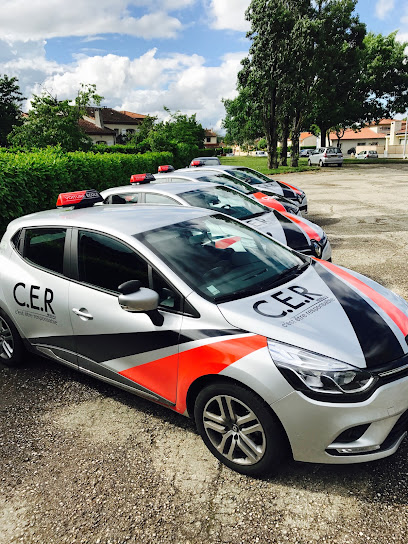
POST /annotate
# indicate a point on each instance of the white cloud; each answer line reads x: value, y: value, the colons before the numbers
x: 36, y: 19
x: 229, y: 14
x: 143, y: 85
x: 383, y: 7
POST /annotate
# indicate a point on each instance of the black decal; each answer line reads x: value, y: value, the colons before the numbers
x: 258, y: 311
x: 14, y: 293
x: 48, y: 298
x: 33, y: 296
x: 285, y: 300
x: 377, y: 340
x: 303, y: 291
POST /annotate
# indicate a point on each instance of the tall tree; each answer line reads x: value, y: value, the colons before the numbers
x: 53, y: 122
x: 10, y: 103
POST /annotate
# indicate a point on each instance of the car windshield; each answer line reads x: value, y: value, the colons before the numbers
x: 226, y: 200
x: 229, y: 181
x: 257, y: 177
x: 247, y: 176
x: 222, y: 259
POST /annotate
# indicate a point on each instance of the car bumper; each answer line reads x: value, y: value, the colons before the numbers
x: 314, y: 427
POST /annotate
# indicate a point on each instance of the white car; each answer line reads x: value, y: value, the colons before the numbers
x: 324, y: 156
x: 368, y: 154
x: 273, y: 354
x: 296, y: 232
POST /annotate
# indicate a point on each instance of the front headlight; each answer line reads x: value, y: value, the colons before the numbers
x: 306, y: 370
x: 317, y: 248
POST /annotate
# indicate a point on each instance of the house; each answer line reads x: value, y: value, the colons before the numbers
x: 106, y: 125
x: 386, y: 137
x: 307, y: 139
x: 210, y: 139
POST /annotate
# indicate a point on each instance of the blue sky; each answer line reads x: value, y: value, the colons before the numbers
x: 143, y: 54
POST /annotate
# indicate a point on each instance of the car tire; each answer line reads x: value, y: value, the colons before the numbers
x: 321, y: 164
x: 11, y: 345
x: 217, y: 412
x: 340, y: 164
x: 309, y: 162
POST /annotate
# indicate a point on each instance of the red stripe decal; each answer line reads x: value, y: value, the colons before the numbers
x: 226, y: 242
x: 291, y: 187
x: 304, y: 226
x: 269, y: 201
x: 161, y: 376
x: 393, y: 312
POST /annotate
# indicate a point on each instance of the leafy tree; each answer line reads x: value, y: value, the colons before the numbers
x: 53, y: 122
x: 243, y: 121
x: 10, y: 102
x: 181, y: 128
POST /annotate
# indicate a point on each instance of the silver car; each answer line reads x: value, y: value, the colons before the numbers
x: 298, y: 233
x: 274, y: 354
x: 367, y: 154
x: 325, y: 156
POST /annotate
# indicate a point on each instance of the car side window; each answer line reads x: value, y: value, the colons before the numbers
x: 152, y: 198
x: 168, y: 298
x: 105, y: 262
x: 45, y: 247
x: 125, y: 198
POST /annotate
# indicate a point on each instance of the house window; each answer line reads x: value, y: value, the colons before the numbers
x: 208, y: 139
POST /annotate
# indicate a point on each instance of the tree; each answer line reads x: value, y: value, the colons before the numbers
x: 10, y: 102
x: 53, y: 122
x: 243, y: 121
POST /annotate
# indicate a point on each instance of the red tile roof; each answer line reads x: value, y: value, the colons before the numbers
x: 209, y: 133
x: 134, y: 115
x: 365, y: 133
x: 111, y: 116
x: 91, y: 128
x: 304, y: 135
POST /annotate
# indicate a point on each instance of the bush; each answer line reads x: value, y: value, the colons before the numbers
x: 31, y: 182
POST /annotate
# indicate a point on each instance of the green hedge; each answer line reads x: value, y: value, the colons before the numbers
x: 31, y: 182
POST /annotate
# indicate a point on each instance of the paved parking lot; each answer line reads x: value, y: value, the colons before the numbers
x: 82, y: 462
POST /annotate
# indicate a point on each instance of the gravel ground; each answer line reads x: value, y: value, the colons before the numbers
x: 82, y: 462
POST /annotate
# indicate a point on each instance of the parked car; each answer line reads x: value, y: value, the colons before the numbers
x: 369, y: 154
x: 272, y: 353
x: 220, y: 177
x: 325, y: 156
x: 298, y: 233
x: 262, y: 182
x: 259, y: 153
x: 305, y: 152
x: 205, y: 161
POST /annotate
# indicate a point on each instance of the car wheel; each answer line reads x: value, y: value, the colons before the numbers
x: 11, y: 345
x: 340, y: 164
x: 239, y: 428
x: 321, y: 164
x: 309, y: 162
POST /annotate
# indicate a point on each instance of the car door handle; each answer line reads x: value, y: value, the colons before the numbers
x: 83, y: 313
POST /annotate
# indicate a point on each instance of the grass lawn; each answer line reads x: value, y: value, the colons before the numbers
x: 261, y: 163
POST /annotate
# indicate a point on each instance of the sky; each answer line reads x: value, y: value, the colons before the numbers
x: 143, y: 54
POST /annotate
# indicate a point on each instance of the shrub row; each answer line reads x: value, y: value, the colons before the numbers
x: 31, y: 182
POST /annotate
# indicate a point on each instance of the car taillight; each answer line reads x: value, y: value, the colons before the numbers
x: 325, y: 154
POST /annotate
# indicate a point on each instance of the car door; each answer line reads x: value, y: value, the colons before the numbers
x: 37, y: 290
x: 122, y: 347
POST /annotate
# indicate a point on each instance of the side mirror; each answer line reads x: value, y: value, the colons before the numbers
x: 134, y: 298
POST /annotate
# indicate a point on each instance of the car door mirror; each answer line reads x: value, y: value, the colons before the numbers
x: 134, y: 298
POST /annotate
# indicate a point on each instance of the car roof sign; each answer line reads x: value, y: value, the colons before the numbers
x: 166, y: 168
x: 79, y: 199
x: 142, y: 178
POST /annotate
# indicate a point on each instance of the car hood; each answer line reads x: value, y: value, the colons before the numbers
x: 328, y: 310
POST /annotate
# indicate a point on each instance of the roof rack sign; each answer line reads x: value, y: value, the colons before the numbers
x: 197, y: 163
x: 166, y: 168
x: 142, y: 178
x: 79, y: 199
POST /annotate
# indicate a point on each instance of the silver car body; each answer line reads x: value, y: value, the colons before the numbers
x: 262, y: 182
x: 370, y: 154
x: 319, y: 317
x: 298, y: 233
x: 325, y: 156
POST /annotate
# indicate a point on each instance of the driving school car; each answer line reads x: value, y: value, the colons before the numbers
x: 167, y: 173
x: 298, y: 233
x: 271, y: 352
x: 261, y: 182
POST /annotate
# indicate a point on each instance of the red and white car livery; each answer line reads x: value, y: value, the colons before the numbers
x: 271, y: 352
x: 263, y: 182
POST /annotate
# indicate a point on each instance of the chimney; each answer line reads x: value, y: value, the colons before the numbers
x: 98, y: 118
